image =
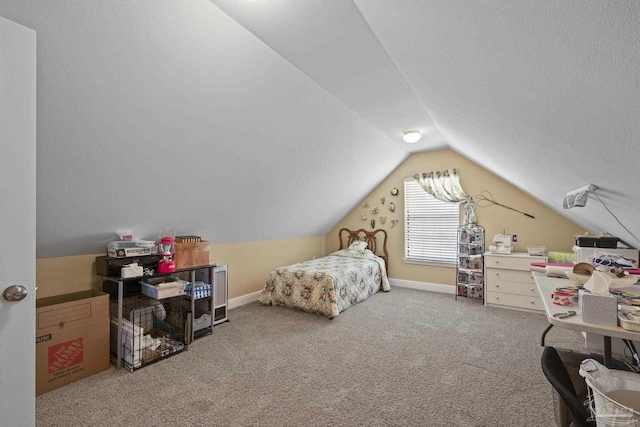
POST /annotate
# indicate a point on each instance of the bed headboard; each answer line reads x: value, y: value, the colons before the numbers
x: 377, y: 244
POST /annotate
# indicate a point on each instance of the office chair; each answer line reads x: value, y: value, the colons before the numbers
x: 557, y: 374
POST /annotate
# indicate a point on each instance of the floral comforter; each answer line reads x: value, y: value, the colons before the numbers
x: 327, y: 285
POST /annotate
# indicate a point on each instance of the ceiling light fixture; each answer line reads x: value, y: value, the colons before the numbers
x: 411, y: 136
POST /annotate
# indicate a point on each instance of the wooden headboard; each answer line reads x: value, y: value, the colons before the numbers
x: 373, y: 243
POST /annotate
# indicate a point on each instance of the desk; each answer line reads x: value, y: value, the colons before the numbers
x: 546, y: 285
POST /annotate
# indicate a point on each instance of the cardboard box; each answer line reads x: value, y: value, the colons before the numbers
x: 72, y: 338
x: 190, y: 255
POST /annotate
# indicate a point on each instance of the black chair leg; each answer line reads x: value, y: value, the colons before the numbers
x: 544, y: 334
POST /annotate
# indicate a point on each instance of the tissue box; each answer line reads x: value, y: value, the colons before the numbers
x: 602, y: 309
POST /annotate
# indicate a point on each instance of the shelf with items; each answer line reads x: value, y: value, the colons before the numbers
x: 209, y: 302
x: 136, y: 339
x: 201, y: 298
x: 470, y: 262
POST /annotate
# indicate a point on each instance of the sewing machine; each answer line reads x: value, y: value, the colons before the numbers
x: 502, y: 244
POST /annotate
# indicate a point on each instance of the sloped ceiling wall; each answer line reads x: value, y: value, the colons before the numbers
x: 256, y: 120
x: 155, y: 114
x: 542, y: 93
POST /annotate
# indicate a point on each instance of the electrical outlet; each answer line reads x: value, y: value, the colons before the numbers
x: 514, y: 239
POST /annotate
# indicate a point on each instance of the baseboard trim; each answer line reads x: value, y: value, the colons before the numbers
x: 422, y: 286
x: 244, y: 299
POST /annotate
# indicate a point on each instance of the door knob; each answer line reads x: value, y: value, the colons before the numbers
x: 15, y: 293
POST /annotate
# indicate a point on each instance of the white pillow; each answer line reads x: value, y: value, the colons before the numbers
x: 358, y: 246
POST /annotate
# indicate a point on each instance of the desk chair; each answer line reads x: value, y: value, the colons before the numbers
x: 556, y: 373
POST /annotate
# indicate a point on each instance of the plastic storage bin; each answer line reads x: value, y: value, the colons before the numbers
x: 607, y: 242
x: 585, y: 241
x: 202, y: 320
x: 535, y: 250
x: 163, y: 290
x: 584, y: 254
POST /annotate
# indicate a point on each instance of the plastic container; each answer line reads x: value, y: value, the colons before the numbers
x: 560, y: 257
x: 202, y: 321
x: 607, y: 242
x: 535, y: 250
x: 586, y: 241
x: 163, y: 290
x: 629, y: 319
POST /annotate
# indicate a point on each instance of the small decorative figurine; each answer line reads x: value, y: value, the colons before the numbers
x: 383, y: 219
x: 382, y: 199
x: 364, y: 215
x: 373, y: 223
x: 394, y: 191
x: 392, y: 207
x: 375, y: 210
x: 394, y: 222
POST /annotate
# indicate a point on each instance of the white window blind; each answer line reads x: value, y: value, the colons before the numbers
x: 430, y: 229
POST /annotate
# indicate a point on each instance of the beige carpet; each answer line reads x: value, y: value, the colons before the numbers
x: 403, y: 358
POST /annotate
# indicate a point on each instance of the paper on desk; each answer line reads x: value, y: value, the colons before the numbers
x: 599, y: 283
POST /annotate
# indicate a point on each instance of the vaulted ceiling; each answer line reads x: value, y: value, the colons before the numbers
x: 254, y: 120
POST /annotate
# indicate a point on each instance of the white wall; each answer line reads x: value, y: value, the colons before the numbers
x: 166, y: 113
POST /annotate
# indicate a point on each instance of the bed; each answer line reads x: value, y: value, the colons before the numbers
x: 331, y: 284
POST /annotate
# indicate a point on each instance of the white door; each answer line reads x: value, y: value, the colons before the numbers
x: 17, y: 222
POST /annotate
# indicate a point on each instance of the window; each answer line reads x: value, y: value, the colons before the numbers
x: 430, y: 229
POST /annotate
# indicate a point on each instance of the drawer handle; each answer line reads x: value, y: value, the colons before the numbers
x: 497, y: 262
x: 533, y: 302
x: 497, y: 297
x: 531, y: 289
x: 497, y: 286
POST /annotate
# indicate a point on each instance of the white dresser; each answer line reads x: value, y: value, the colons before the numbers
x: 509, y: 282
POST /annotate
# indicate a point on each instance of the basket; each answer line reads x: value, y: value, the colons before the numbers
x: 604, y: 402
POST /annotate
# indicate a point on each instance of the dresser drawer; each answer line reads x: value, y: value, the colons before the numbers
x: 510, y: 263
x: 516, y: 288
x: 518, y: 301
x: 509, y: 275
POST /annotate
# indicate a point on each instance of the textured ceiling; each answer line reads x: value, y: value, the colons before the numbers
x: 542, y: 93
x: 256, y: 120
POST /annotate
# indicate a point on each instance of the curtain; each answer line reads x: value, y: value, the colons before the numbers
x: 445, y: 186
